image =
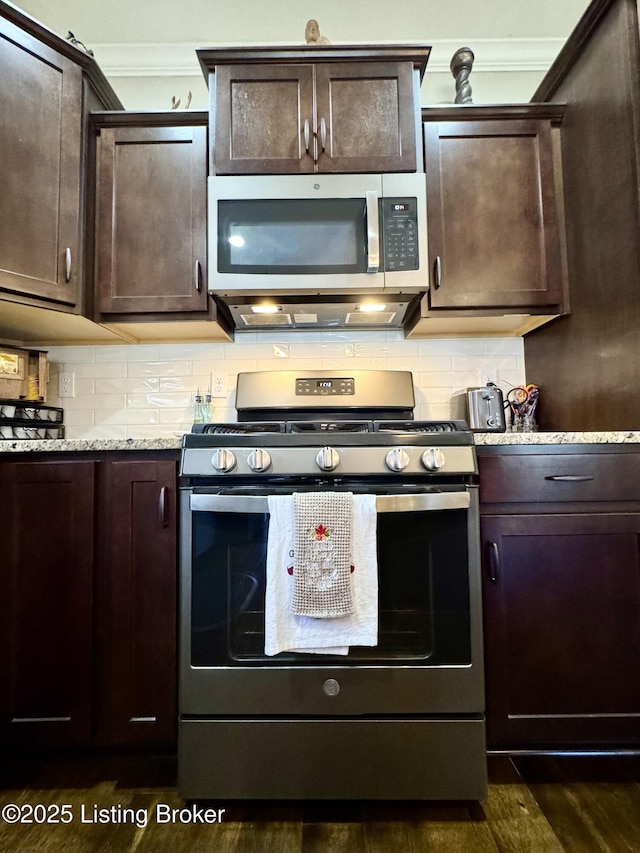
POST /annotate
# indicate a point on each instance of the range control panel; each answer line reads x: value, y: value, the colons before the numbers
x: 400, y: 230
x: 325, y: 387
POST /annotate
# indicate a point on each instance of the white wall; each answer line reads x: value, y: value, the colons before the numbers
x: 147, y: 391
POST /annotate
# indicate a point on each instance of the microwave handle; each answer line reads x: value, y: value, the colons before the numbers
x: 373, y: 232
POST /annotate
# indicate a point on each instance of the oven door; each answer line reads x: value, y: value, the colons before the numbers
x: 428, y: 657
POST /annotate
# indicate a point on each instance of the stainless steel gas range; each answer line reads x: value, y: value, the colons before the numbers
x: 401, y: 717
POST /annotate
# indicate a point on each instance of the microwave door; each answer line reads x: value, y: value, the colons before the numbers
x: 284, y: 235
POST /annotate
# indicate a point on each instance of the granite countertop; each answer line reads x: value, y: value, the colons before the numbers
x: 604, y: 437
x: 480, y: 438
x: 75, y: 445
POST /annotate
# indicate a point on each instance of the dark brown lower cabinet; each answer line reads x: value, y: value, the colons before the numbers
x: 88, y: 601
x: 136, y: 608
x: 46, y: 578
x: 561, y: 588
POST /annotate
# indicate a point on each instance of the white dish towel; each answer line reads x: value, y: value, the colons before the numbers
x: 285, y: 631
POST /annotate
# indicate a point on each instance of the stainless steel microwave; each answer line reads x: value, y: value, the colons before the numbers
x: 317, y: 234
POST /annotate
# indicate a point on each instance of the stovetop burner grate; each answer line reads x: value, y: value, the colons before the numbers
x: 397, y: 427
x: 330, y: 426
x: 239, y: 428
x: 420, y: 427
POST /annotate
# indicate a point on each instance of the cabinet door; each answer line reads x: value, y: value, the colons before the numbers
x: 366, y: 117
x: 151, y: 220
x: 137, y: 604
x: 40, y: 151
x: 493, y: 226
x: 562, y: 629
x: 264, y: 119
x: 46, y: 572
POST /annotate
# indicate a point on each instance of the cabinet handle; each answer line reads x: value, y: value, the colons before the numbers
x: 323, y: 134
x: 307, y: 135
x: 41, y: 719
x: 570, y: 478
x: 162, y: 507
x: 67, y: 265
x: 494, y: 562
x: 197, y: 279
x: 437, y: 272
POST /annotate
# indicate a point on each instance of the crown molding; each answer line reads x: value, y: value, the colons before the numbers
x: 180, y: 60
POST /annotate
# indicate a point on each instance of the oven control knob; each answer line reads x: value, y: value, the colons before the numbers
x: 433, y: 459
x: 223, y: 460
x: 397, y: 459
x: 259, y: 460
x: 327, y: 459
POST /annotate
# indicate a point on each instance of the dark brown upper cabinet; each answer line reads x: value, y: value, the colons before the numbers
x: 151, y: 219
x: 323, y: 109
x: 48, y: 87
x: 495, y: 210
x: 40, y: 150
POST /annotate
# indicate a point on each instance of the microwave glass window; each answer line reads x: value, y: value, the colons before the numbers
x: 292, y: 236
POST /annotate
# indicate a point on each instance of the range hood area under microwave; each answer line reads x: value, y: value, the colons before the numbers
x: 318, y: 251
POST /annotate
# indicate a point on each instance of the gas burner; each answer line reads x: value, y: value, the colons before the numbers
x: 329, y: 426
x: 239, y: 428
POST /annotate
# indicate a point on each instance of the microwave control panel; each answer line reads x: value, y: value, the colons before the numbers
x: 399, y: 218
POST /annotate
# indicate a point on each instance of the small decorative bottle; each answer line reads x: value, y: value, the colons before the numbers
x: 206, y: 408
x: 198, y: 414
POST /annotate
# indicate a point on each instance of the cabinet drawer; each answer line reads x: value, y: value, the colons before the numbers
x: 561, y: 477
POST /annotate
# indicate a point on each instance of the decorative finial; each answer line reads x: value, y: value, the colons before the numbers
x: 312, y: 33
x: 74, y: 41
x: 175, y: 102
x: 461, y: 65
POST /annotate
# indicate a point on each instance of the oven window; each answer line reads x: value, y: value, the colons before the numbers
x: 292, y: 236
x: 423, y: 591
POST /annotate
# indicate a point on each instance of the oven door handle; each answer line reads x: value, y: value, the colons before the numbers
x: 420, y: 502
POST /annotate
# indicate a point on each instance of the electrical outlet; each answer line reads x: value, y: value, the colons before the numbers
x: 219, y: 386
x: 67, y: 384
x: 491, y: 376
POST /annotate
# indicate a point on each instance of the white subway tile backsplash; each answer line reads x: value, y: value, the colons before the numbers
x: 147, y: 390
x: 98, y: 432
x: 99, y: 370
x: 139, y: 352
x: 97, y: 402
x: 159, y: 368
x: 453, y: 346
x: 128, y: 416
x: 127, y: 386
x: 158, y: 400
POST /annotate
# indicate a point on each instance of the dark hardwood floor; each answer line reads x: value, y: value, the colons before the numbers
x: 536, y: 804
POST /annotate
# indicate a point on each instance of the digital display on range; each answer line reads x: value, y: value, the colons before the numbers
x: 315, y: 387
